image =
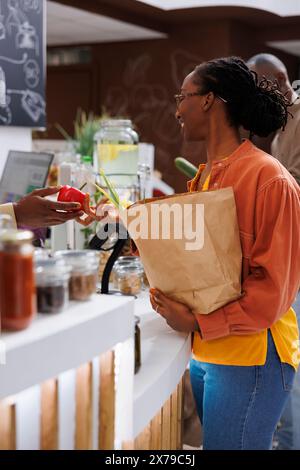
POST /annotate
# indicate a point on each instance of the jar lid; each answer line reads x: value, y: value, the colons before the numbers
x: 127, y: 269
x: 116, y: 123
x: 134, y: 259
x: 128, y: 260
x: 13, y: 236
x: 80, y: 260
x: 51, y: 269
x: 50, y: 262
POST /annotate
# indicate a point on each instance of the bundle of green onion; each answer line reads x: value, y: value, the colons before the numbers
x: 112, y: 194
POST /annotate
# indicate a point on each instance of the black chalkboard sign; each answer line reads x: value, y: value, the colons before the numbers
x: 22, y: 63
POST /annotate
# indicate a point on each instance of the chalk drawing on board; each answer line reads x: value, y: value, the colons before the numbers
x: 32, y: 103
x: 182, y: 63
x: 32, y: 5
x: 5, y: 113
x: 32, y: 73
x: 16, y: 17
x: 15, y: 61
x: 27, y: 38
x: 2, y: 27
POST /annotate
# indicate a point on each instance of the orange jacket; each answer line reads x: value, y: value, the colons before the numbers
x: 268, y: 210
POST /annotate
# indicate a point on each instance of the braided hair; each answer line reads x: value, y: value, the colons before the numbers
x: 259, y: 107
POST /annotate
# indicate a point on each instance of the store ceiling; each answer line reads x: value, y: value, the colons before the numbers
x: 98, y: 21
x: 67, y: 25
x: 279, y: 7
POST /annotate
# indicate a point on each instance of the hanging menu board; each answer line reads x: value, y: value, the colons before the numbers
x: 22, y: 63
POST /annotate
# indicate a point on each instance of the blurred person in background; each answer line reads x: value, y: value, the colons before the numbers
x: 285, y: 145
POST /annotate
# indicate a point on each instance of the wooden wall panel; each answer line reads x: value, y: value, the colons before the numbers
x: 107, y: 401
x: 49, y: 415
x: 7, y: 426
x: 83, y: 434
x: 68, y: 88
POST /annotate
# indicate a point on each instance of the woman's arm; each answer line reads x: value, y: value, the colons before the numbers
x: 271, y: 288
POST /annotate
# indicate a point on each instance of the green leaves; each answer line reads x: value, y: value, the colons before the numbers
x: 85, y: 128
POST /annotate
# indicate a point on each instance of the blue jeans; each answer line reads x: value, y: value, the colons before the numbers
x: 240, y: 406
x: 287, y: 436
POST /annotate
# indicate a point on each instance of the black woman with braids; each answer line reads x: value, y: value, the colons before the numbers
x: 245, y: 354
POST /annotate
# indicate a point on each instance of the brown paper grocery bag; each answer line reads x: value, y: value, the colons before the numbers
x: 189, y: 245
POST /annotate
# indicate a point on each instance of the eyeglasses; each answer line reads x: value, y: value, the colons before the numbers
x: 179, y: 98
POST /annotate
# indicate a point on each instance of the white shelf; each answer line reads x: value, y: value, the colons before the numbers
x: 165, y: 355
x: 55, y: 343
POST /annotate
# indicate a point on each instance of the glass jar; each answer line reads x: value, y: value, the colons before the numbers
x: 116, y: 147
x: 84, y: 272
x: 52, y: 283
x: 129, y: 278
x: 17, y: 286
x: 137, y: 345
x: 124, y: 261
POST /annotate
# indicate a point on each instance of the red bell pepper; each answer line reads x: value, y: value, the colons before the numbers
x: 70, y: 194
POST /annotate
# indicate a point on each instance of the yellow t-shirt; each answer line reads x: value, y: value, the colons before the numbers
x: 251, y: 350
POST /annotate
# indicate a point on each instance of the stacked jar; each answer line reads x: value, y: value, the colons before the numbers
x: 123, y: 261
x: 128, y: 275
x: 52, y: 281
x: 84, y: 272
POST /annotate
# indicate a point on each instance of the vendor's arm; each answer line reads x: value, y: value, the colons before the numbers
x: 274, y: 280
x: 34, y: 210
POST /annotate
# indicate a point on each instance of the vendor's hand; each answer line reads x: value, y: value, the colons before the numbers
x: 177, y: 315
x: 34, y: 210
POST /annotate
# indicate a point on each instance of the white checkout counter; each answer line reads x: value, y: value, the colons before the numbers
x: 55, y: 347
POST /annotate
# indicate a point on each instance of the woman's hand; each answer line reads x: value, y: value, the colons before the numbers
x: 177, y: 315
x: 104, y: 211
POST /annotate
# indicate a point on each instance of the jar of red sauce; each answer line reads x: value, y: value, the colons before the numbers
x: 17, y: 286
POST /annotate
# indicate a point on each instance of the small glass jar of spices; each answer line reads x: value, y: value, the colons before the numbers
x: 124, y: 261
x: 129, y: 278
x: 52, y: 282
x: 84, y: 266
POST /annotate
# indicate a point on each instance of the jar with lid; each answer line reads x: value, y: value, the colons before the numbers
x: 17, y: 286
x: 116, y: 147
x: 124, y: 261
x: 52, y: 284
x: 129, y: 278
x: 84, y: 266
x: 137, y: 344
